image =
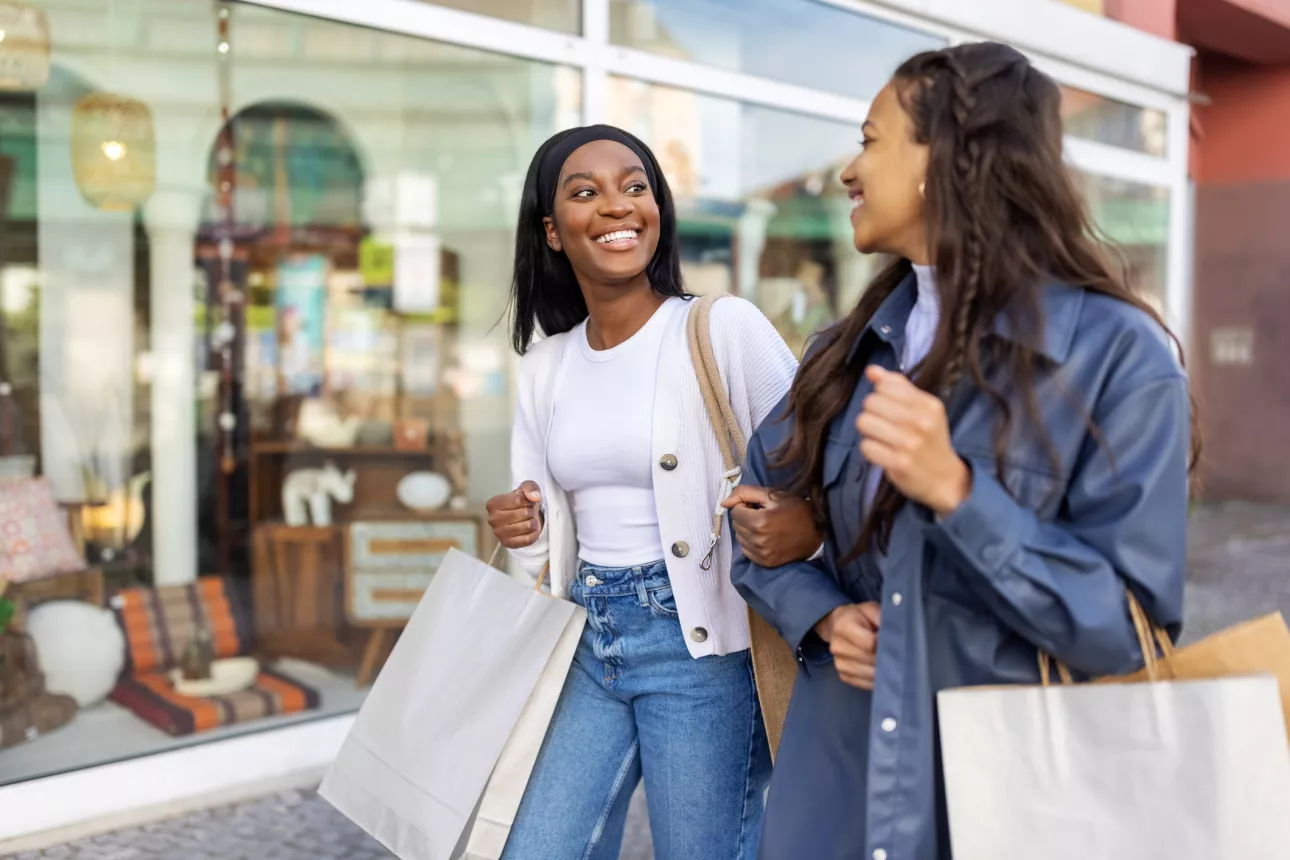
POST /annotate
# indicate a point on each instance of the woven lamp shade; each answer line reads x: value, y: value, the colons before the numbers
x: 114, y: 151
x: 24, y: 47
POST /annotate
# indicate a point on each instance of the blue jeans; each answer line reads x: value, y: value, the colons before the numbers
x: 637, y: 704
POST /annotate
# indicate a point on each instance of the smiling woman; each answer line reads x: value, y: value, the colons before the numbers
x: 613, y: 460
x: 586, y: 187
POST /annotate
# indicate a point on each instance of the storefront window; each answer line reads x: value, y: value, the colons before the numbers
x: 1135, y: 218
x: 562, y: 15
x: 763, y: 214
x: 772, y: 39
x: 256, y: 426
x: 1098, y: 118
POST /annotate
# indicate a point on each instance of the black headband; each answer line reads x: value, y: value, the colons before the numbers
x: 568, y: 141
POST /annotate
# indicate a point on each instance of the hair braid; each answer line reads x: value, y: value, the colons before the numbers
x: 967, y: 179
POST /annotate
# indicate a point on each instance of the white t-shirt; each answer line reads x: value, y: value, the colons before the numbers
x: 599, y: 449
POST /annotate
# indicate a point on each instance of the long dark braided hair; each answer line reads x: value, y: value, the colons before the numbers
x: 1003, y: 216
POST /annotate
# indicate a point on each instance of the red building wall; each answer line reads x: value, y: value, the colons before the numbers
x: 1240, y: 355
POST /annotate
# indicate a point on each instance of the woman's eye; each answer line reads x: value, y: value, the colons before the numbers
x: 583, y: 192
x: 638, y: 188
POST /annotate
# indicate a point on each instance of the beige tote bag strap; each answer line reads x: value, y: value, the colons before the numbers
x: 1150, y: 636
x: 721, y: 415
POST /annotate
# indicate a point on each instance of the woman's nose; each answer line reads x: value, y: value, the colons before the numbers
x: 616, y: 205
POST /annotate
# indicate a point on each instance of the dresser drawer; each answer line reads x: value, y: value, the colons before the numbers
x: 386, y: 596
x: 390, y: 565
x: 404, y: 545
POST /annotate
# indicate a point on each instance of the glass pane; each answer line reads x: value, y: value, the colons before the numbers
x: 183, y: 375
x: 1135, y: 218
x: 1094, y: 117
x: 772, y: 39
x: 562, y: 15
x: 763, y: 214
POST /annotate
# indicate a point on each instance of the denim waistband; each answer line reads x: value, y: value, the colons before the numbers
x: 604, y: 581
x: 610, y: 575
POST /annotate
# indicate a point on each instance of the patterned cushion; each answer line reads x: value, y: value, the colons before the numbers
x: 34, y: 542
x: 152, y: 698
x: 160, y: 622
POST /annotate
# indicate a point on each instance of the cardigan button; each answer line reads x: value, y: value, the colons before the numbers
x: 668, y: 462
x: 680, y: 549
x: 698, y: 634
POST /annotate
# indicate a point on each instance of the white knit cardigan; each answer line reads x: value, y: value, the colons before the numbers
x: 757, y: 368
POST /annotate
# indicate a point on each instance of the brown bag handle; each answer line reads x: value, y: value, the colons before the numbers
x: 1150, y: 636
x: 721, y: 415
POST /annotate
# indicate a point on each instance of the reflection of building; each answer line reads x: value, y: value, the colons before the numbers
x: 144, y: 347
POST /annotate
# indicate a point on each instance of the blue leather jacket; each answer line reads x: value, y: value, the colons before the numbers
x: 1039, y: 561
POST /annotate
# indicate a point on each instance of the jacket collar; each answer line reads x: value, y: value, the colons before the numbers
x: 1060, y: 305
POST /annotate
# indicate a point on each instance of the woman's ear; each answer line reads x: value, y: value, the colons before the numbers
x: 552, y: 234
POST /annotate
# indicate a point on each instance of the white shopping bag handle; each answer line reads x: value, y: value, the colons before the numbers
x: 546, y: 568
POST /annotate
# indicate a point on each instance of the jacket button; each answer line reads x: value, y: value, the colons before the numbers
x: 680, y: 549
x: 698, y: 634
x: 668, y: 462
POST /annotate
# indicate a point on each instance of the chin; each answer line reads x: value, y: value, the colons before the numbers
x: 625, y: 270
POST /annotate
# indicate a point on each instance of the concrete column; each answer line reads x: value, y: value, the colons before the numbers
x: 171, y: 217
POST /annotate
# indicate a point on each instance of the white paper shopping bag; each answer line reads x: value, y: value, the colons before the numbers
x: 414, y: 768
x: 1173, y: 770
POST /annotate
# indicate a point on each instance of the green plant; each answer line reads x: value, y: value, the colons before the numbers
x: 7, y: 610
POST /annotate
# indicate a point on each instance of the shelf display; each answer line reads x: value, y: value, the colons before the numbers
x: 307, y: 494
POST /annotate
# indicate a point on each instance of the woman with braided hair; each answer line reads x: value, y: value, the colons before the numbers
x: 996, y: 442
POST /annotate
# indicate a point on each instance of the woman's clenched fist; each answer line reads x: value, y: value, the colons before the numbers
x: 516, y: 517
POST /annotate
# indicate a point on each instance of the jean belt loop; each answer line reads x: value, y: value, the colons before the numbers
x: 642, y: 595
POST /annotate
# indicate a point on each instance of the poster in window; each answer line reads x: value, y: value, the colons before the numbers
x: 420, y: 360
x: 302, y: 312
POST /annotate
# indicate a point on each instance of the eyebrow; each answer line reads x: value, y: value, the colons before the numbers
x: 590, y: 177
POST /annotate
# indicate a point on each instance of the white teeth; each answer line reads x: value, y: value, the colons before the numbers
x: 856, y: 203
x: 617, y: 236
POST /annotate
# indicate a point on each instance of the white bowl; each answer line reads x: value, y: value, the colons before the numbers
x: 424, y: 491
x: 227, y: 676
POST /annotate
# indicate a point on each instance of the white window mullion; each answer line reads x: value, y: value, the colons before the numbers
x: 428, y: 21
x: 1112, y: 161
x: 680, y: 74
x: 1180, y: 280
x: 595, y: 78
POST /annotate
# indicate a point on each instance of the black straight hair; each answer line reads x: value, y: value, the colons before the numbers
x: 544, y: 291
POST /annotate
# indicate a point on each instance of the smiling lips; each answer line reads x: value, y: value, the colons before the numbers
x: 857, y: 198
x: 618, y: 240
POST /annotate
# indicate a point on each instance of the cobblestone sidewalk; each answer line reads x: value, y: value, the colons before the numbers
x: 1239, y: 568
x: 296, y: 825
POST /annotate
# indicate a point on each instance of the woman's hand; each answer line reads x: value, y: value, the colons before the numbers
x: 773, y: 529
x: 906, y: 432
x: 516, y: 517
x: 852, y: 634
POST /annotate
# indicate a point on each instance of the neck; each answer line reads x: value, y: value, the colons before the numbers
x: 618, y: 311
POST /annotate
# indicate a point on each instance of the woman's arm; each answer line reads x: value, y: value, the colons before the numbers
x: 528, y: 464
x: 793, y: 597
x: 1061, y: 584
x: 759, y: 368
x: 757, y: 365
